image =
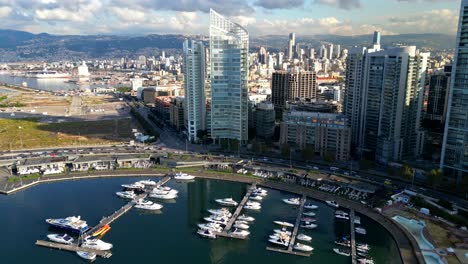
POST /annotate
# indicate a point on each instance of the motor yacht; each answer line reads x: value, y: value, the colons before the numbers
x: 363, y: 246
x: 126, y: 194
x: 211, y: 226
x: 135, y: 185
x: 308, y: 213
x: 241, y: 225
x: 72, y: 223
x: 308, y: 225
x: 217, y: 219
x: 343, y: 217
x: 292, y: 201
x: 260, y: 192
x: 252, y: 203
x: 183, y: 176
x: 239, y: 232
x: 206, y: 233
x: 222, y: 212
x: 252, y: 207
x: 63, y: 238
x: 246, y: 218
x: 87, y: 255
x: 168, y: 196
x: 340, y: 212
x: 282, y: 223
x: 342, y: 252
x: 304, y: 237
x: 95, y: 243
x: 147, y: 205
x: 310, y: 206
x: 279, y: 241
x: 147, y: 182
x: 256, y: 197
x: 361, y: 230
x: 332, y: 204
x: 302, y: 247
x: 365, y: 261
x: 227, y: 202
x: 308, y: 219
x: 357, y: 220
x: 163, y: 191
x: 281, y: 231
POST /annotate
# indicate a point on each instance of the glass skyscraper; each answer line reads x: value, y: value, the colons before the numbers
x: 229, y: 47
x: 454, y: 159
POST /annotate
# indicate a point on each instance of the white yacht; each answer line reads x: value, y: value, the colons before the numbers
x: 308, y: 225
x: 361, y: 230
x: 357, y: 220
x: 252, y: 203
x: 310, y: 206
x: 304, y: 237
x: 148, y: 182
x: 126, y: 194
x: 302, y: 247
x: 159, y: 191
x: 343, y: 217
x: 72, y: 223
x: 206, y: 233
x: 282, y: 223
x: 167, y: 196
x: 220, y: 212
x: 279, y: 241
x: 239, y: 232
x: 211, y: 226
x: 333, y: 204
x: 87, y: 255
x: 135, y: 185
x: 183, y: 176
x: 241, y: 225
x: 342, y: 252
x: 147, y: 205
x: 282, y: 231
x: 256, y: 197
x: 95, y: 243
x: 227, y: 202
x: 252, y: 207
x: 260, y: 191
x: 217, y: 219
x: 308, y: 219
x: 292, y: 201
x: 308, y: 213
x: 64, y: 238
x: 246, y: 218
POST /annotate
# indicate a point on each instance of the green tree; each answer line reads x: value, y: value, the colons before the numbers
x: 434, y: 177
x: 234, y: 144
x: 285, y: 150
x: 407, y: 171
x: 329, y: 157
x: 308, y: 152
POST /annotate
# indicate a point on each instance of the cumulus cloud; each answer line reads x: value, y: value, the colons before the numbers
x: 439, y: 20
x: 80, y: 11
x: 343, y: 4
x: 5, y: 11
x: 279, y: 4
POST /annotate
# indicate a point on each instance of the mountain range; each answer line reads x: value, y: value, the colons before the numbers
x: 24, y: 46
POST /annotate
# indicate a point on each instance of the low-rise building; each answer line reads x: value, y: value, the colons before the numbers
x: 264, y: 120
x: 177, y: 113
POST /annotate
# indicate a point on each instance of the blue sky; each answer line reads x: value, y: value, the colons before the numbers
x: 260, y: 17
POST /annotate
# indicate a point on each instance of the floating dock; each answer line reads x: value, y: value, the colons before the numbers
x: 73, y: 247
x: 294, y: 235
x: 104, y: 221
x: 236, y: 213
x: 353, y: 236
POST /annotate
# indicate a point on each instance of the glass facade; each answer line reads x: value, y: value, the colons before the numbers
x: 454, y: 160
x: 229, y: 46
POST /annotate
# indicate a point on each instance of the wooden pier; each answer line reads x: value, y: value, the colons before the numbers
x: 294, y: 235
x: 73, y: 247
x: 353, y: 236
x: 236, y: 213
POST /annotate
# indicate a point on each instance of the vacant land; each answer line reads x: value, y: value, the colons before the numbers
x: 29, y: 133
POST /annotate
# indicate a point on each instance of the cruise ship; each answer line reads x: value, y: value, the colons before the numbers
x: 73, y: 224
x: 46, y: 74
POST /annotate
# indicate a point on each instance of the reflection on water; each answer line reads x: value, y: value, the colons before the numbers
x: 47, y: 84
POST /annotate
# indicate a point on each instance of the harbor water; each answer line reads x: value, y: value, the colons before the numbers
x: 169, y: 236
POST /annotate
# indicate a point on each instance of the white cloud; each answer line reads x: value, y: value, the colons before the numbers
x: 80, y: 11
x: 437, y: 21
x: 128, y: 15
x: 5, y: 11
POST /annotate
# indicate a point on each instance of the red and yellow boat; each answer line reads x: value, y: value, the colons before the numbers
x: 102, y: 231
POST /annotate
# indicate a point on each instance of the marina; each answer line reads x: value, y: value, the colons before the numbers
x: 353, y: 236
x: 294, y: 234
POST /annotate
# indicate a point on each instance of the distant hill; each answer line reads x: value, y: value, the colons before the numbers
x: 24, y: 46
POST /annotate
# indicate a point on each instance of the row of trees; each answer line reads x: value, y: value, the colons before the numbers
x: 307, y: 153
x: 145, y: 124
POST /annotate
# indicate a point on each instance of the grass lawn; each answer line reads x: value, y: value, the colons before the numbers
x: 29, y: 133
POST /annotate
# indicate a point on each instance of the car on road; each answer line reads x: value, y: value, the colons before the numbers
x: 315, y: 168
x: 334, y: 168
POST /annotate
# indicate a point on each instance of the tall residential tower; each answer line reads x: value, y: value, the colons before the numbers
x: 229, y: 47
x: 454, y: 159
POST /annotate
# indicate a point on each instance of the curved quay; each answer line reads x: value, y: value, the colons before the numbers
x: 410, y: 252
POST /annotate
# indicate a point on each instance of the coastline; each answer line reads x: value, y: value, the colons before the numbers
x: 407, y: 246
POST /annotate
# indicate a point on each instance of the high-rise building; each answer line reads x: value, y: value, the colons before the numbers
x: 264, y: 120
x: 383, y: 100
x: 262, y: 55
x: 454, y: 158
x: 329, y: 51
x: 291, y: 45
x: 439, y: 84
x: 229, y: 47
x: 289, y: 86
x: 194, y: 73
x: 323, y: 52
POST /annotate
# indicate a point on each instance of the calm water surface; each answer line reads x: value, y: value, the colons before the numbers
x: 46, y: 84
x: 168, y: 236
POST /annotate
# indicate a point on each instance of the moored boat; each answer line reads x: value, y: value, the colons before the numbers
x: 308, y: 213
x: 282, y: 223
x: 72, y: 223
x: 304, y: 237
x: 308, y: 225
x: 148, y: 205
x: 227, y: 201
x: 206, y: 233
x: 168, y: 196
x: 246, y: 218
x: 292, y: 201
x: 302, y: 247
x: 87, y: 255
x: 310, y: 206
x: 61, y: 238
x: 183, y: 176
x: 332, y: 203
x: 342, y: 252
x: 361, y: 230
x: 239, y: 232
x: 211, y: 226
x: 135, y: 185
x: 95, y: 243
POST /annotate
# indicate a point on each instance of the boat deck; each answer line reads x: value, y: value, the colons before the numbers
x: 236, y: 214
x: 353, y: 236
x: 294, y: 235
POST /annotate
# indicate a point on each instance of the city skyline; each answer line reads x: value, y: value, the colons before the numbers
x: 262, y: 17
